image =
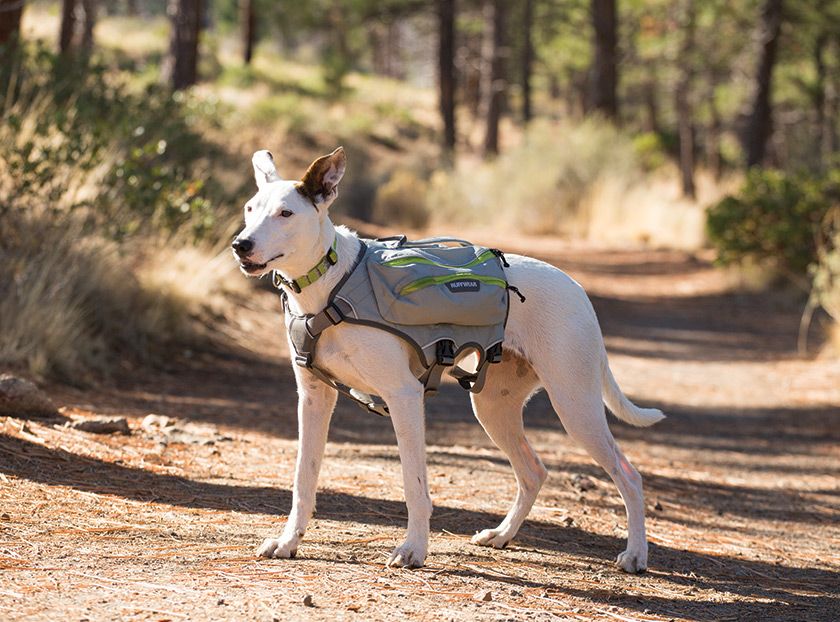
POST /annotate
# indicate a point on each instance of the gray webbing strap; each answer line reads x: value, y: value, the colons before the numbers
x: 403, y: 242
x: 304, y: 333
x: 374, y: 407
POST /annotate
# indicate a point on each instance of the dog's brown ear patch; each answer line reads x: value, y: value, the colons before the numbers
x: 320, y: 182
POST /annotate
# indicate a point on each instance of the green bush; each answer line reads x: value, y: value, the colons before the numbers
x: 75, y: 139
x: 776, y: 218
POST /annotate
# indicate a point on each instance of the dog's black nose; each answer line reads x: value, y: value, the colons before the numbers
x: 242, y: 247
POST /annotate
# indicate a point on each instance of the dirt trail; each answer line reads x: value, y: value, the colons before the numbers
x: 742, y: 482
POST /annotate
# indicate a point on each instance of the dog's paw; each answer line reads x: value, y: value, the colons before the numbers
x: 632, y: 562
x: 497, y: 538
x: 277, y: 549
x: 407, y: 555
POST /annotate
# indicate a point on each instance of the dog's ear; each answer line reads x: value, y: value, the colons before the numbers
x: 320, y: 182
x: 264, y: 170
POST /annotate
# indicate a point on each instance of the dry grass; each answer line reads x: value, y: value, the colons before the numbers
x: 584, y: 180
x: 73, y: 304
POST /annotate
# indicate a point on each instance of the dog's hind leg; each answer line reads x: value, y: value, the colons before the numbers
x: 575, y: 393
x: 498, y: 407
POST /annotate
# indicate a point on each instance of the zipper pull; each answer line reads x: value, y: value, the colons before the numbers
x: 501, y: 256
x: 516, y: 291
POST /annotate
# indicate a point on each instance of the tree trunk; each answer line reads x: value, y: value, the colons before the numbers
x: 527, y: 59
x: 183, y: 48
x: 131, y: 7
x: 831, y: 140
x: 248, y: 22
x: 446, y: 71
x: 760, y: 125
x: 88, y: 24
x: 684, y: 107
x: 651, y: 103
x: 10, y: 12
x: 715, y: 131
x: 605, y: 69
x: 497, y: 85
x: 819, y: 93
x: 68, y: 26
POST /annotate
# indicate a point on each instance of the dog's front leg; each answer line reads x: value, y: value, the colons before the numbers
x: 406, y: 408
x: 316, y: 402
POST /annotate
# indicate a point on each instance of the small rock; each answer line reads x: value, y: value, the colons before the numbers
x: 657, y: 506
x: 103, y: 425
x: 582, y: 482
x: 221, y: 601
x: 21, y: 398
x: 354, y: 608
x: 154, y: 423
x: 307, y: 601
x: 5, y: 516
x: 484, y: 596
x: 568, y: 521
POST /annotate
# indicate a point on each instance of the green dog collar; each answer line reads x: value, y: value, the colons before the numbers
x: 296, y: 285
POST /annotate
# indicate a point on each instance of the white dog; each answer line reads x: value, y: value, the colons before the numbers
x: 552, y: 341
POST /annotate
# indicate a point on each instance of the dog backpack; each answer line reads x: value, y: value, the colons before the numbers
x: 443, y: 296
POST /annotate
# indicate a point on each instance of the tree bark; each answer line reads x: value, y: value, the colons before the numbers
x: 760, y: 125
x: 684, y: 106
x: 527, y: 59
x: 497, y: 85
x: 446, y: 71
x: 68, y: 26
x: 651, y: 103
x: 715, y: 131
x: 605, y: 69
x: 183, y: 48
x: 248, y: 23
x: 819, y: 92
x: 89, y: 7
x: 10, y: 12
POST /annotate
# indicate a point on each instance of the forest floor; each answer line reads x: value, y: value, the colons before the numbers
x: 741, y: 480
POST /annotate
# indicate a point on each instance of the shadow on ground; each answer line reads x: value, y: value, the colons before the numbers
x: 803, y: 590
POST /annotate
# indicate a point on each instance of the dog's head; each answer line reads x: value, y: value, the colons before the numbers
x: 284, y: 220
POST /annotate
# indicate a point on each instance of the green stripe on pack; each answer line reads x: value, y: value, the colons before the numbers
x: 429, y: 281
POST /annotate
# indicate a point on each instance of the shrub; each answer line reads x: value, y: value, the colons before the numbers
x: 402, y: 201
x: 91, y: 168
x: 75, y: 139
x: 776, y: 218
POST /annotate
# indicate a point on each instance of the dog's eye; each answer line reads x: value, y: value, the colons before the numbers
x: 286, y: 213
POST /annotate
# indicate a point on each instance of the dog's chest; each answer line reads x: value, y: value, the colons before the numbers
x: 366, y: 358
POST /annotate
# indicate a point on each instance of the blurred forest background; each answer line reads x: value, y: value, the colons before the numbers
x: 127, y: 130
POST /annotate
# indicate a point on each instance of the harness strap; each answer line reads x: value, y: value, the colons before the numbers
x: 403, y: 242
x: 371, y: 406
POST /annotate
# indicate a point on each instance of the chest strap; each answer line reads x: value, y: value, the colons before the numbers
x: 304, y: 332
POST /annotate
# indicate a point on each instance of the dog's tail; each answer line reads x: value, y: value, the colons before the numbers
x: 623, y: 408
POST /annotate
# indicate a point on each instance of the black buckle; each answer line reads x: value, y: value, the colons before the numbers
x: 445, y: 352
x: 399, y: 239
x: 468, y: 381
x: 494, y: 353
x: 334, y: 314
